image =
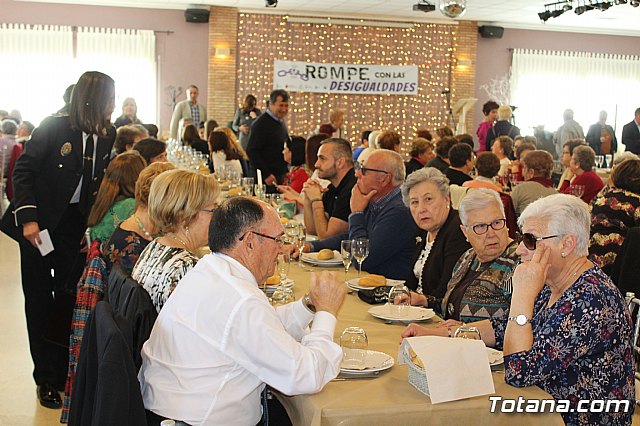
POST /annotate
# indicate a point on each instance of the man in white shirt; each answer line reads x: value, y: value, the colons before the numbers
x: 217, y: 342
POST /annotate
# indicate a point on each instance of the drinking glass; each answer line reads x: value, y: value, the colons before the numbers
x: 247, y: 186
x: 259, y: 191
x: 608, y: 159
x: 345, y: 251
x: 282, y: 295
x: 360, y: 251
x: 599, y: 160
x: 467, y: 332
x: 299, y: 243
x: 354, y: 342
x: 399, y: 301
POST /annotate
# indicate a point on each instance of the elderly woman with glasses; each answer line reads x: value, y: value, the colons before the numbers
x: 568, y: 330
x: 480, y: 284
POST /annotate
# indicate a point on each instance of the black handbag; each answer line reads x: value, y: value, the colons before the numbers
x: 376, y: 295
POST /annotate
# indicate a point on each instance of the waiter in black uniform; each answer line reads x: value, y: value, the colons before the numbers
x: 55, y: 182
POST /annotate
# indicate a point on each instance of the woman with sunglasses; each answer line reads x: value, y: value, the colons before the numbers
x: 568, y: 330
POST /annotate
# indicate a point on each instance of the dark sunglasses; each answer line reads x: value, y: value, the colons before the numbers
x: 364, y: 170
x: 482, y: 228
x: 530, y: 241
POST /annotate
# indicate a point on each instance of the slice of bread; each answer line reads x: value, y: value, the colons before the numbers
x: 325, y: 254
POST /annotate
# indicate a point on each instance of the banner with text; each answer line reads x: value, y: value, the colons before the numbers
x: 343, y: 78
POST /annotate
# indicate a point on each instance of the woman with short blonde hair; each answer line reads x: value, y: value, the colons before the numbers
x: 180, y: 205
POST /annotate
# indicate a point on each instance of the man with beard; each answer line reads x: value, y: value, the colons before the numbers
x: 327, y: 214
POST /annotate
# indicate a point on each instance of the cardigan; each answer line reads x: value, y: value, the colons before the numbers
x: 447, y: 248
x: 592, y: 185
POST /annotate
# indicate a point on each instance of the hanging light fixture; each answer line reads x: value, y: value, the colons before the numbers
x: 453, y: 8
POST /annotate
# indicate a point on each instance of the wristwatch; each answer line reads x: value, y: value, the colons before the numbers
x: 306, y: 301
x: 520, y: 319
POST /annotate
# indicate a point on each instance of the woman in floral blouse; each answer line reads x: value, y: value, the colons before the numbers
x: 568, y: 330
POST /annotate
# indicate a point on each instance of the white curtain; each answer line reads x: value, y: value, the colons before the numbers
x: 34, y: 70
x: 545, y: 83
x: 129, y: 57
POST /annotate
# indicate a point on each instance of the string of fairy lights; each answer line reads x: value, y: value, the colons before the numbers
x: 264, y: 38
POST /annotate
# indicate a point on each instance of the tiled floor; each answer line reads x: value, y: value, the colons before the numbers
x: 18, y: 402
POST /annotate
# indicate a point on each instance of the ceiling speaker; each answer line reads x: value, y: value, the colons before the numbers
x: 196, y: 15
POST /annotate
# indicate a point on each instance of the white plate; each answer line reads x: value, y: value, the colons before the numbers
x: 313, y: 259
x: 288, y: 283
x: 414, y: 313
x: 496, y: 357
x: 353, y: 284
x: 374, y: 361
x: 312, y: 237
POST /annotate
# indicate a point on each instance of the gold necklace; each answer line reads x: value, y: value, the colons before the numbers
x: 175, y: 237
x: 142, y: 228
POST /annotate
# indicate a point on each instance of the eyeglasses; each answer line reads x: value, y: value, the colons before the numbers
x: 209, y: 210
x: 279, y: 239
x: 482, y: 228
x: 530, y: 241
x: 364, y: 170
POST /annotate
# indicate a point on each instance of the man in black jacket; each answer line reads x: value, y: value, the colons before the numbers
x: 266, y: 139
x: 631, y: 134
x: 601, y: 136
x: 55, y: 183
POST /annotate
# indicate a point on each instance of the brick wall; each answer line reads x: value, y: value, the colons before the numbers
x: 256, y: 40
x: 222, y: 74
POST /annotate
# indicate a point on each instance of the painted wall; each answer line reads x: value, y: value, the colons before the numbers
x: 182, y: 55
x: 494, y: 58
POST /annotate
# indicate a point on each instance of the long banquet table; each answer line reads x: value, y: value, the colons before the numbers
x: 389, y: 398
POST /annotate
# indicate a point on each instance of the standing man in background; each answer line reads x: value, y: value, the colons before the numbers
x: 601, y: 136
x: 55, y: 182
x: 631, y: 134
x: 189, y: 108
x: 266, y: 139
x: 569, y: 130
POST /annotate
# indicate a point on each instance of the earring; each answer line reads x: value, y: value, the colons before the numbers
x: 186, y: 230
x: 563, y: 254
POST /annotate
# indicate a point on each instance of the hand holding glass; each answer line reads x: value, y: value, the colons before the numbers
x: 467, y: 332
x: 399, y: 301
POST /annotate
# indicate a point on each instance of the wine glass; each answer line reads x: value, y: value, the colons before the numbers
x: 467, y: 332
x: 608, y: 158
x: 577, y: 190
x: 299, y: 243
x: 282, y: 295
x: 360, y: 251
x: 345, y: 251
x: 354, y: 342
x: 399, y: 301
x: 599, y: 160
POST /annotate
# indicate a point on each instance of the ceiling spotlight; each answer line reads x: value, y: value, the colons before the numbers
x: 635, y: 3
x: 603, y: 6
x: 544, y: 16
x: 424, y: 6
x: 620, y: 2
x: 270, y: 3
x: 453, y: 8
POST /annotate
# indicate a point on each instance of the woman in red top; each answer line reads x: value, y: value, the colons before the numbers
x: 490, y: 111
x: 294, y: 155
x: 581, y: 165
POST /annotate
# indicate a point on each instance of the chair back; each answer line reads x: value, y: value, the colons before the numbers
x: 106, y: 390
x: 130, y: 300
x: 626, y: 268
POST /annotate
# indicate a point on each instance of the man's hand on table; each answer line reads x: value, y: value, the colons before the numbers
x: 327, y: 292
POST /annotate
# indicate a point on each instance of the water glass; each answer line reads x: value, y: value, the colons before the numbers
x: 608, y: 158
x: 345, y: 251
x: 467, y: 332
x: 360, y: 251
x: 299, y: 243
x: 260, y: 191
x: 282, y: 295
x: 399, y: 301
x: 354, y: 343
x: 247, y: 186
